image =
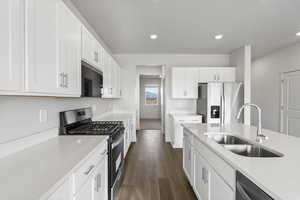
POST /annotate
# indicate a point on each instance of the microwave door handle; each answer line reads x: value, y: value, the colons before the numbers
x: 242, y: 192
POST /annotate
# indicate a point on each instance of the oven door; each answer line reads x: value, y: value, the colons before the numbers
x: 117, y: 156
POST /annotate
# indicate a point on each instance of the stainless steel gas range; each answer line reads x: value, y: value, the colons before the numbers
x: 79, y: 122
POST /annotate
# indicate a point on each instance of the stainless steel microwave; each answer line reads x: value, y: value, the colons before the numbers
x: 91, y: 81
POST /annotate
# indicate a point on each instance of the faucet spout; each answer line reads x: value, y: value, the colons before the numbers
x: 259, y: 136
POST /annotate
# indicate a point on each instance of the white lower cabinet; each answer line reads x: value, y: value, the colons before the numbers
x: 207, y: 182
x: 89, y: 181
x: 63, y: 192
x: 187, y: 158
x: 95, y: 187
x: 177, y: 129
x: 219, y: 189
x: 201, y: 177
x: 100, y: 181
x: 86, y: 192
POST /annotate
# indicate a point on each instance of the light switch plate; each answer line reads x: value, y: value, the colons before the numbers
x: 43, y: 116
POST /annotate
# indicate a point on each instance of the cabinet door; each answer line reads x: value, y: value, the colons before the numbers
x: 42, y: 64
x: 219, y: 189
x: 226, y: 74
x: 114, y: 82
x: 11, y: 48
x: 101, y: 181
x: 187, y: 157
x: 87, y: 191
x: 97, y: 55
x: 207, y: 74
x: 87, y: 46
x: 70, y: 50
x: 118, y: 77
x: 191, y: 82
x: 202, y: 176
x: 62, y: 193
x: 107, y: 76
x: 178, y: 82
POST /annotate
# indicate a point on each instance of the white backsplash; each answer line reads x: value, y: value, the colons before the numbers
x: 21, y: 117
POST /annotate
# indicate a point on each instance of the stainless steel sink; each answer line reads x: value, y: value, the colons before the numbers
x: 226, y: 139
x: 252, y: 150
x: 242, y: 147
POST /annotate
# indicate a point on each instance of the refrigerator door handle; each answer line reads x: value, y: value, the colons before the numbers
x: 223, y: 106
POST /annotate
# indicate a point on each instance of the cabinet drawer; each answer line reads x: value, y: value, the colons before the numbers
x: 81, y: 175
x: 219, y: 165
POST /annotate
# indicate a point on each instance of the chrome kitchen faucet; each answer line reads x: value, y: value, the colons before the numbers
x: 259, y: 136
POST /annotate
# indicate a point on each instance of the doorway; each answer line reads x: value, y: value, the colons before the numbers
x: 290, y: 103
x: 150, y: 102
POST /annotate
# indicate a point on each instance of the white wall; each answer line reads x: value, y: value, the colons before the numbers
x: 241, y: 59
x: 130, y: 61
x: 266, y: 72
x: 149, y: 111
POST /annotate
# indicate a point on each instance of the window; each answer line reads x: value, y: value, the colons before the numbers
x: 151, y: 95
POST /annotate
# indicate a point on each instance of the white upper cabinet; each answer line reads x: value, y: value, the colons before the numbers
x: 178, y: 79
x: 111, y: 77
x: 107, y: 76
x: 87, y: 46
x: 53, y: 39
x: 42, y: 47
x: 185, y: 82
x: 191, y: 82
x: 213, y: 74
x: 92, y: 51
x: 185, y: 79
x: 12, y: 45
x: 69, y: 50
x: 227, y: 74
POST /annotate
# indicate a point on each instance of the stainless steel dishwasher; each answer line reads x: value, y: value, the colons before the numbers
x: 247, y: 190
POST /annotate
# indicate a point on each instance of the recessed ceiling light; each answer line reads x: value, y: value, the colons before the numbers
x: 219, y: 37
x: 298, y: 34
x: 153, y: 37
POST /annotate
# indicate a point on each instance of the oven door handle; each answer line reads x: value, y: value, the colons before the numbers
x: 117, y: 142
x: 242, y: 192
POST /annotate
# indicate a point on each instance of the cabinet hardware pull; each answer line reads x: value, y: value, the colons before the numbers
x: 96, y: 184
x: 67, y: 80
x: 99, y: 181
x: 61, y: 79
x: 89, y: 170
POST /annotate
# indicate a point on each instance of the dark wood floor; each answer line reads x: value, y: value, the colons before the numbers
x: 153, y: 171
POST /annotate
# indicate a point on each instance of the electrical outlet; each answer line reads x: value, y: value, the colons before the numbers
x: 94, y: 108
x: 43, y: 116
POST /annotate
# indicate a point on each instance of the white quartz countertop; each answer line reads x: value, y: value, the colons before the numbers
x: 31, y: 173
x: 279, y: 177
x: 114, y: 117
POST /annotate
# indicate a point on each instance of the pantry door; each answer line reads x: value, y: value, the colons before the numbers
x: 290, y: 103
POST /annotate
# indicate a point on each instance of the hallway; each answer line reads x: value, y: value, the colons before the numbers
x: 150, y: 124
x: 153, y: 171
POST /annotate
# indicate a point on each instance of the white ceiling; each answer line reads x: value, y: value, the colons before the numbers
x: 189, y: 26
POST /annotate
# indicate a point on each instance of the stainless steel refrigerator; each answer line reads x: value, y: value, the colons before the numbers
x: 220, y: 102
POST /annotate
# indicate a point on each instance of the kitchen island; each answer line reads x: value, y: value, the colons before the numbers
x: 279, y: 177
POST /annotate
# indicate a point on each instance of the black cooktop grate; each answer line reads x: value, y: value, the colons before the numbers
x: 97, y: 128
